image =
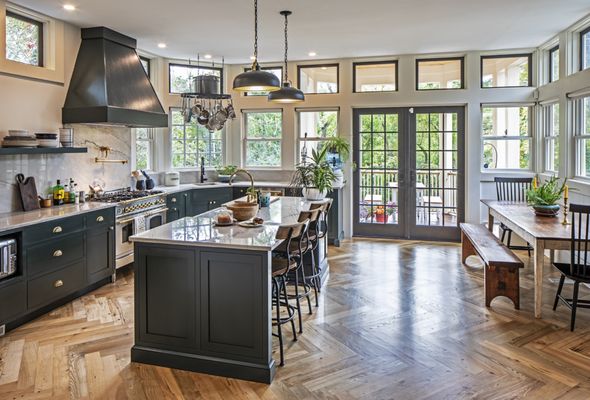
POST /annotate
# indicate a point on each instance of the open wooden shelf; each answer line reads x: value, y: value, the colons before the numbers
x: 8, y: 151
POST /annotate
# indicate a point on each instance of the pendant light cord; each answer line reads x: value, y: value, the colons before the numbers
x: 256, y: 31
x: 286, y: 48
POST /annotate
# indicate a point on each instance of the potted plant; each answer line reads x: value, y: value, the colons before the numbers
x: 225, y: 171
x: 380, y: 215
x: 543, y: 198
x: 337, y: 155
x: 314, y: 175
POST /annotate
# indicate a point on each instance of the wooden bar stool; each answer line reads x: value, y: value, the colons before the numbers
x: 282, y: 263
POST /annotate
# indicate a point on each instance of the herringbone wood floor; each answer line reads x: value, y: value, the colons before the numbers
x: 397, y: 320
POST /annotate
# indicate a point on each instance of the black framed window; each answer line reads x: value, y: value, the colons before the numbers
x: 379, y: 76
x: 180, y: 77
x: 585, y: 49
x: 440, y: 73
x: 24, y: 39
x: 506, y: 70
x: 146, y: 64
x: 276, y: 71
x: 318, y: 79
x: 554, y: 64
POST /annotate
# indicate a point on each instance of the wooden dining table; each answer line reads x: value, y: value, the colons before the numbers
x: 543, y: 233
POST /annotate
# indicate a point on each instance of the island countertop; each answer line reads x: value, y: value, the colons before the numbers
x: 201, y: 231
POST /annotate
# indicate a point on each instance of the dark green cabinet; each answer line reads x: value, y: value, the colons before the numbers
x: 100, y: 262
x: 203, y: 200
x: 177, y: 205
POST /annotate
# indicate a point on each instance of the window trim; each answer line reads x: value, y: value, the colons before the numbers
x: 245, y: 139
x: 220, y: 69
x: 583, y: 32
x: 266, y: 68
x: 151, y: 156
x: 355, y: 64
x: 530, y: 137
x: 492, y: 56
x: 40, y: 38
x: 419, y: 60
x: 550, y: 52
x: 577, y: 106
x: 299, y: 138
x: 329, y: 65
x: 548, y: 135
x: 149, y: 63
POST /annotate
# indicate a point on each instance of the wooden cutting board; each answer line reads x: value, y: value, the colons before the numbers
x: 28, y: 192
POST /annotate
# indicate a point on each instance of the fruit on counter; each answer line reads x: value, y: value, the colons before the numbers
x: 258, y: 221
x: 224, y: 219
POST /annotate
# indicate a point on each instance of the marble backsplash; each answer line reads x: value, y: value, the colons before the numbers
x: 47, y: 168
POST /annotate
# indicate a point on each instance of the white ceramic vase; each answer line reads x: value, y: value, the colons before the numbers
x: 313, y: 194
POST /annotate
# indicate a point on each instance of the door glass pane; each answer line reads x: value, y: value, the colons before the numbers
x: 379, y: 163
x: 436, y: 169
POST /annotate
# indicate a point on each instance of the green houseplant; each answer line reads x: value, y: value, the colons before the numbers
x: 314, y: 175
x: 543, y: 198
x: 225, y: 171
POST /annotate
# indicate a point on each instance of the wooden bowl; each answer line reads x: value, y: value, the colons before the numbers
x: 243, y: 211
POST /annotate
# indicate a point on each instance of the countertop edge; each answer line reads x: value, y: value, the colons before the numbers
x: 201, y: 244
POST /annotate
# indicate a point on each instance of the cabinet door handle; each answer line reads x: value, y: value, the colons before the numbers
x: 57, y: 229
x: 173, y: 200
x: 100, y: 218
x: 58, y: 283
x: 186, y: 195
x: 58, y: 253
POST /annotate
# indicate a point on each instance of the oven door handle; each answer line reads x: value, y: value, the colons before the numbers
x: 125, y: 221
x: 163, y: 210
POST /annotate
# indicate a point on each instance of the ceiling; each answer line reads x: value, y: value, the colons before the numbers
x: 331, y: 28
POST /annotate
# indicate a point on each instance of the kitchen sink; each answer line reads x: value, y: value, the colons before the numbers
x: 207, y: 183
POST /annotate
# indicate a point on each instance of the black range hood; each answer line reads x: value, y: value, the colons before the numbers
x: 109, y: 85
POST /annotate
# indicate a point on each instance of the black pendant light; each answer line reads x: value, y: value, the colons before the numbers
x: 256, y: 79
x: 287, y: 93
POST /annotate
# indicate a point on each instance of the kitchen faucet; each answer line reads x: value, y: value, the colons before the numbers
x: 251, y: 194
x: 203, y: 179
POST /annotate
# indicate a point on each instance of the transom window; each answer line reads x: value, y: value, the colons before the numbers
x: 263, y: 138
x: 506, y: 70
x: 554, y: 64
x: 144, y: 140
x: 582, y: 136
x: 375, y: 76
x: 276, y: 71
x: 24, y: 39
x: 181, y: 77
x: 315, y: 126
x: 146, y: 64
x: 316, y: 79
x: 507, y: 137
x: 439, y: 73
x: 192, y: 141
x: 551, y: 136
x: 585, y: 48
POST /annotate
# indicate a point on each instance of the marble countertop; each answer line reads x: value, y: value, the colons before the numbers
x: 212, y: 185
x: 201, y: 231
x: 20, y: 219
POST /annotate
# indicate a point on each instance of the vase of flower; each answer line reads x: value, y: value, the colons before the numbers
x: 543, y: 198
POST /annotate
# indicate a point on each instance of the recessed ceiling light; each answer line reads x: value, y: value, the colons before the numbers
x: 69, y: 7
x: 324, y: 68
x: 208, y: 56
x: 312, y: 54
x: 162, y: 45
x: 252, y: 58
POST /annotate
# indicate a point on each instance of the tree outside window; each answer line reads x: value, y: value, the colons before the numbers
x: 191, y: 141
x: 24, y: 39
x: 551, y: 135
x: 506, y: 137
x: 264, y: 131
x: 143, y: 148
x: 314, y: 128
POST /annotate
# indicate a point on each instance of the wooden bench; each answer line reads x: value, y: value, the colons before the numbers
x: 501, y: 265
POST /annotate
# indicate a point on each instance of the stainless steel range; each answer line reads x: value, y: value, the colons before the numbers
x: 137, y: 211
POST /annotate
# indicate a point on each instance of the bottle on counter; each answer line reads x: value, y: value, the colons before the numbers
x: 66, y: 194
x: 58, y: 194
x: 77, y: 198
x: 73, y: 192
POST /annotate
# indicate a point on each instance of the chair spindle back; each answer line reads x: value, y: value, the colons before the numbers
x: 512, y: 189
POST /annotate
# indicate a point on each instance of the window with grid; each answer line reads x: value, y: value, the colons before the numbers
x: 440, y: 73
x: 191, y: 141
x: 314, y: 128
x: 582, y: 136
x: 144, y: 145
x: 585, y: 48
x: 263, y: 138
x: 554, y: 64
x: 512, y: 70
x: 551, y: 136
x: 507, y: 137
x: 181, y: 77
x: 276, y: 71
x: 24, y: 39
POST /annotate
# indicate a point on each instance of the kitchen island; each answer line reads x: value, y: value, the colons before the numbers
x: 203, y: 293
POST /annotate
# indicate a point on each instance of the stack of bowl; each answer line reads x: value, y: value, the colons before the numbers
x: 19, y: 138
x: 47, y: 139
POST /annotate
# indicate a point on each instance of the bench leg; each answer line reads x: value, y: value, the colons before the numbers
x: 466, y: 248
x: 502, y: 281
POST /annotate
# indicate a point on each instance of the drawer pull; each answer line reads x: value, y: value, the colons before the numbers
x: 58, y: 253
x: 57, y: 229
x: 100, y: 218
x: 58, y: 283
x: 173, y: 200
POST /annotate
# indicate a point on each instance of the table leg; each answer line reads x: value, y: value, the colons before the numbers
x: 490, y: 222
x: 538, y: 270
x: 551, y: 256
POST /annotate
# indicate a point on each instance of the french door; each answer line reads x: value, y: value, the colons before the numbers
x: 409, y: 177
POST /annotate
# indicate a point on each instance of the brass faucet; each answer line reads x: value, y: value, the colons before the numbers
x: 251, y: 194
